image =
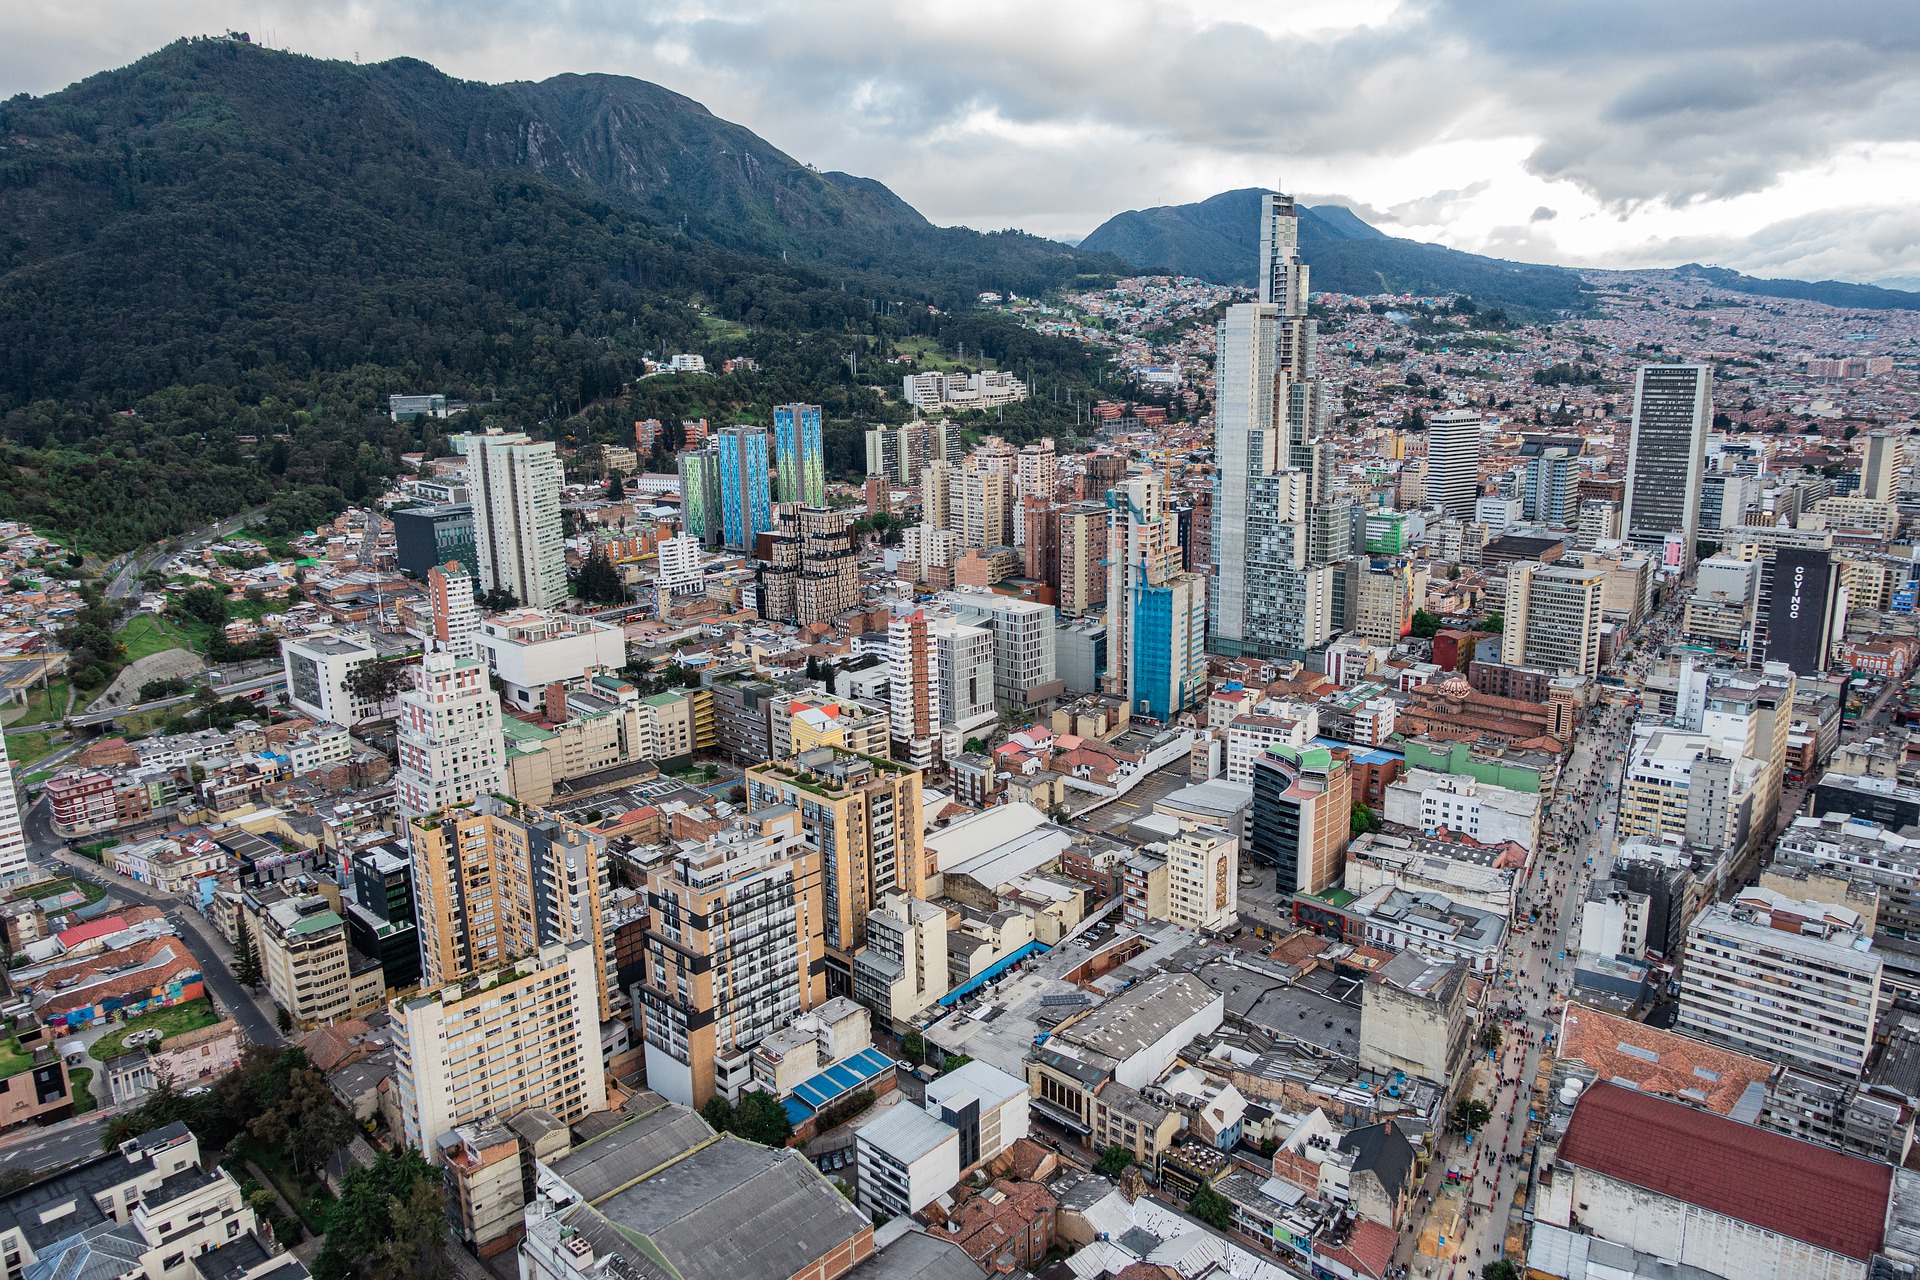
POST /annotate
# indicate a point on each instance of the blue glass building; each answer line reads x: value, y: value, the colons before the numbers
x: 801, y: 453
x: 746, y: 498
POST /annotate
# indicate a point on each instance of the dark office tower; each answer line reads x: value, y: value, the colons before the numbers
x: 1666, y: 458
x: 429, y: 537
x: 382, y: 922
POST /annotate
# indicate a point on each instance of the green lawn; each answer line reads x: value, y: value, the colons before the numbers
x: 147, y: 634
x: 238, y: 606
x: 45, y: 705
x: 25, y: 748
x: 13, y: 1059
x: 81, y: 1078
x: 720, y: 329
x: 175, y: 1021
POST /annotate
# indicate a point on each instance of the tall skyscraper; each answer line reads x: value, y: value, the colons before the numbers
x: 915, y: 699
x: 456, y: 619
x: 982, y: 497
x: 1272, y: 589
x: 451, y: 748
x: 13, y: 840
x: 1453, y: 461
x: 746, y: 496
x: 1666, y: 457
x: 811, y: 572
x: 1157, y: 616
x: 1880, y: 467
x: 700, y: 495
x: 802, y: 454
x: 1553, y: 618
x: 519, y: 537
x: 495, y: 880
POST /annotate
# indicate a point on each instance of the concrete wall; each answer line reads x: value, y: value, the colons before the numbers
x: 1697, y: 1237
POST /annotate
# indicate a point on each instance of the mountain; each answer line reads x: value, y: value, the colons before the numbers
x: 1218, y: 239
x: 221, y: 245
x: 1835, y: 293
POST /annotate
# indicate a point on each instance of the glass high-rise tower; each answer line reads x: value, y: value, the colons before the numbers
x: 800, y: 452
x: 1667, y: 456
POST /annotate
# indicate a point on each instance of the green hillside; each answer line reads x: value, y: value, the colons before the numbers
x: 222, y: 244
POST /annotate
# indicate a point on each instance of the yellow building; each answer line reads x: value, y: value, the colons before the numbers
x: 862, y: 814
x: 496, y: 880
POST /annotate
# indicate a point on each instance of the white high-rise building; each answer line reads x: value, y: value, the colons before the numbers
x: 1553, y: 618
x: 1203, y: 878
x: 451, y: 747
x: 1272, y: 592
x: 1453, y: 461
x: 519, y: 536
x: 680, y: 572
x: 963, y: 673
x: 1666, y: 458
x: 456, y: 619
x: 13, y: 841
x: 1024, y: 667
x: 1880, y: 466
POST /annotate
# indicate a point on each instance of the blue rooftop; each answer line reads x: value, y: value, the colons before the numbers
x: 837, y: 1081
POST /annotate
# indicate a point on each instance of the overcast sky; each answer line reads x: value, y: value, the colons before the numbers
x: 1775, y: 136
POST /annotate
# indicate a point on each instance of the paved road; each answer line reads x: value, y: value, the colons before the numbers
x: 126, y: 582
x: 207, y: 947
x: 270, y: 681
x: 44, y: 1150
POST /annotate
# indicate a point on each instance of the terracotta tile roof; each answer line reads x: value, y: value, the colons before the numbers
x: 1368, y: 1250
x: 1796, y: 1189
x: 1674, y: 1066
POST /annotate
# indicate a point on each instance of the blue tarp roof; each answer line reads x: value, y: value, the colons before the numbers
x: 836, y: 1081
x: 988, y: 974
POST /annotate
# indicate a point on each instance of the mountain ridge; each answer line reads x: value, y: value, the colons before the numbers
x: 1217, y: 239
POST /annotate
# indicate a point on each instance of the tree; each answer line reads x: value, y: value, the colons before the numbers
x: 1425, y: 625
x: 1492, y: 1038
x: 416, y: 1243
x: 598, y: 581
x: 1453, y: 573
x: 1113, y: 1161
x: 759, y: 1117
x: 1471, y: 1115
x: 1500, y: 1269
x: 362, y: 1220
x: 377, y: 682
x: 1211, y: 1208
x: 718, y: 1113
x: 498, y: 600
x: 246, y: 960
x: 616, y: 487
x: 976, y: 744
x: 283, y: 1020
x: 306, y: 1123
x: 1495, y: 622
x: 200, y: 604
x: 914, y: 1046
x: 1363, y: 820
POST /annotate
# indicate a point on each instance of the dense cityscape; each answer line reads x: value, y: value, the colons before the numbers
x: 1359, y: 786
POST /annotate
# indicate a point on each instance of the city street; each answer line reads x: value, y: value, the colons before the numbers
x: 208, y: 948
x: 43, y: 1150
x: 1463, y: 1228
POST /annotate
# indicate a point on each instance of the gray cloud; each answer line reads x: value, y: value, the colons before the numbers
x: 1054, y: 117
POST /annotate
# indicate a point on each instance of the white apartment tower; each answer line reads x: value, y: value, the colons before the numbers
x: 1667, y: 456
x: 451, y: 747
x: 1203, y: 877
x: 13, y: 841
x: 1553, y: 618
x: 456, y: 618
x: 519, y: 537
x: 915, y: 701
